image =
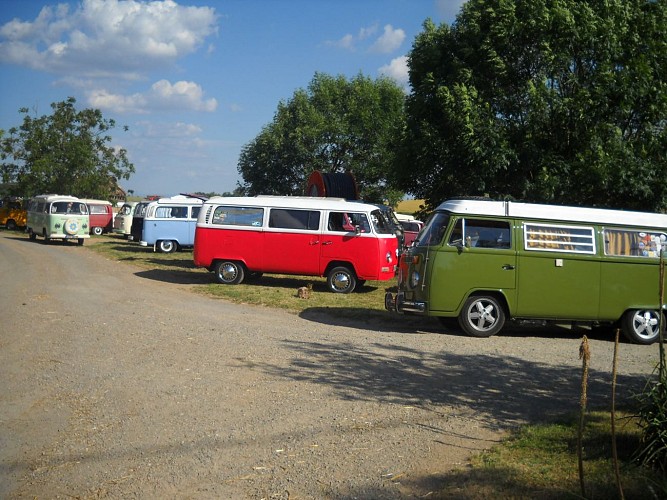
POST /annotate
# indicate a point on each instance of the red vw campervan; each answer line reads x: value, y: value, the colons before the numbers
x: 348, y: 242
x: 101, y: 216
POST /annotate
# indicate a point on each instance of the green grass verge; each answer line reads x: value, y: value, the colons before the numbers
x: 277, y: 291
x: 540, y: 461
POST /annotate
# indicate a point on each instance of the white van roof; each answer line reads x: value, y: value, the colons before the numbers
x: 55, y: 197
x: 311, y: 202
x: 96, y: 202
x: 554, y: 212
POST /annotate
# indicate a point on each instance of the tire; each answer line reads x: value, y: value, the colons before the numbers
x: 32, y: 235
x: 482, y: 316
x: 167, y: 246
x: 11, y: 225
x: 641, y: 326
x: 341, y: 280
x: 97, y: 231
x: 80, y: 242
x: 71, y: 226
x: 229, y: 272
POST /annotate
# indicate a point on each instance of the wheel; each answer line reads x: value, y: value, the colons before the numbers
x: 167, y: 246
x: 97, y: 231
x: 641, y: 326
x: 32, y: 235
x: 482, y: 316
x: 229, y: 272
x: 11, y: 224
x: 341, y: 280
x: 80, y: 242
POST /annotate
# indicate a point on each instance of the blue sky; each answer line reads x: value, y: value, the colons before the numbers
x: 194, y: 80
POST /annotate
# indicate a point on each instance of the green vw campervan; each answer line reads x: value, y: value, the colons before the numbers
x: 483, y: 262
x: 58, y: 217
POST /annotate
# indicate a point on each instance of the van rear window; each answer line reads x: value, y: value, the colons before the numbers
x: 238, y: 216
x: 557, y: 238
x: 97, y: 209
x: 631, y: 242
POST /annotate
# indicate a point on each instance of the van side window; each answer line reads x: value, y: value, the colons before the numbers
x: 557, y: 238
x: 195, y: 212
x: 631, y: 242
x: 482, y: 233
x: 238, y: 216
x: 294, y: 219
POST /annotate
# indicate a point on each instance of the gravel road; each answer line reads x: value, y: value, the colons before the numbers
x: 117, y: 385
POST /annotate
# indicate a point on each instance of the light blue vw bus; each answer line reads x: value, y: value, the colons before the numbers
x: 169, y: 223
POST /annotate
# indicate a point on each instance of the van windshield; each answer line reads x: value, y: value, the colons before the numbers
x: 68, y: 207
x: 433, y: 231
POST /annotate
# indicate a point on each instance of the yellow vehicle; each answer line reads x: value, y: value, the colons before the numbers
x: 13, y: 214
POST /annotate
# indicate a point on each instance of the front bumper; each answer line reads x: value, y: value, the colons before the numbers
x: 397, y: 303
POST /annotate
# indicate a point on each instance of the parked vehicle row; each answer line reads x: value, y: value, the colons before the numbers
x: 479, y: 262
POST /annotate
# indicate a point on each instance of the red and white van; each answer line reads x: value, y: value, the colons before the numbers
x: 101, y: 216
x: 348, y: 242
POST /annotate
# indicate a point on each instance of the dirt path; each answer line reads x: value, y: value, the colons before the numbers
x: 115, y: 385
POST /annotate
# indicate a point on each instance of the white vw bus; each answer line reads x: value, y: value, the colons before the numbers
x: 58, y: 217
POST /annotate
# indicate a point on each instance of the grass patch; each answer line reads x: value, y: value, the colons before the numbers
x: 271, y: 290
x: 540, y: 461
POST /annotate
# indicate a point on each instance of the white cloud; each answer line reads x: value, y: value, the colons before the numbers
x: 350, y: 41
x: 397, y: 70
x: 163, y: 95
x: 389, y: 41
x: 123, y: 38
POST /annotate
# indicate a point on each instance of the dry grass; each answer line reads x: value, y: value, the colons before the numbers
x: 409, y: 207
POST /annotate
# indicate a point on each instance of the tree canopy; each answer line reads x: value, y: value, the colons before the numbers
x: 335, y: 125
x: 66, y: 152
x: 561, y: 101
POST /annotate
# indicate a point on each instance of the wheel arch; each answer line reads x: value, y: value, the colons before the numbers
x: 496, y: 294
x: 339, y: 263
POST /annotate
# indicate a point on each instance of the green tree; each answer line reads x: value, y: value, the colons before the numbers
x: 561, y: 101
x: 335, y: 125
x: 66, y: 152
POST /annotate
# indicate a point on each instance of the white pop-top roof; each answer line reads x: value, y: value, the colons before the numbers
x: 96, y: 202
x: 56, y: 197
x: 307, y: 202
x: 188, y: 200
x: 554, y: 212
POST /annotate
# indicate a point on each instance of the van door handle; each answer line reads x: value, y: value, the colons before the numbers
x: 508, y: 267
x: 327, y: 243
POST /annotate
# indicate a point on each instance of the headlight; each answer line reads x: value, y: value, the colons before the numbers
x: 414, y: 279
